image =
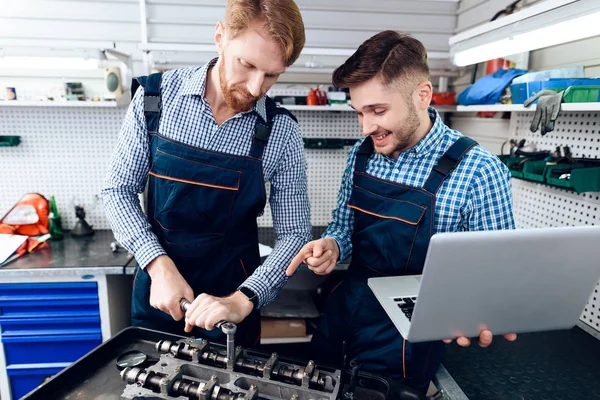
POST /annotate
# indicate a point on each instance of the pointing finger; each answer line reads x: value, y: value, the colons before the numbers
x: 299, y: 259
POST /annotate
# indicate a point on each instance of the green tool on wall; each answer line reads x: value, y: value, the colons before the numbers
x: 7, y: 141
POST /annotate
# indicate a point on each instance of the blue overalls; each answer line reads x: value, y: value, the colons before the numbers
x: 202, y: 205
x: 393, y: 224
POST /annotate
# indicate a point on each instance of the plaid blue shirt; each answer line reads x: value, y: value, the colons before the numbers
x: 187, y: 118
x: 476, y: 196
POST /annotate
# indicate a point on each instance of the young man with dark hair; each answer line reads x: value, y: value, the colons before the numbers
x: 204, y: 140
x: 409, y: 159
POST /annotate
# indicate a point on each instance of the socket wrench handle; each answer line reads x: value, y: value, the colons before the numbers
x: 185, y: 305
x: 228, y: 329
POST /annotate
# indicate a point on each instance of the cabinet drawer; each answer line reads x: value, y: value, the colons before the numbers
x: 38, y: 300
x: 48, y: 291
x: 24, y: 378
x: 48, y: 349
x: 13, y: 327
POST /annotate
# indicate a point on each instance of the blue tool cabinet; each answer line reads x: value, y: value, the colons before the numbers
x: 44, y: 327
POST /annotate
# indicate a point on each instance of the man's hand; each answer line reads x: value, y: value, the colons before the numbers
x: 319, y: 255
x: 207, y: 310
x: 485, y: 339
x: 167, y: 287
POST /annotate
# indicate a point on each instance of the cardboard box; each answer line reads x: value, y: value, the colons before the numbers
x: 278, y: 328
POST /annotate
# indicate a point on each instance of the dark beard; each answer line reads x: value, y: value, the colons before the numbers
x: 245, y: 103
x: 407, y: 132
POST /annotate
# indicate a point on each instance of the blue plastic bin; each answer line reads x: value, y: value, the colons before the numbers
x: 24, y: 378
x: 522, y: 91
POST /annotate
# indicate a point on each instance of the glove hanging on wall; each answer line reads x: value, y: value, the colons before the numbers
x: 548, y: 108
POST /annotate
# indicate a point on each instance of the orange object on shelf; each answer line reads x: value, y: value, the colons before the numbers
x: 443, y: 99
x: 316, y: 97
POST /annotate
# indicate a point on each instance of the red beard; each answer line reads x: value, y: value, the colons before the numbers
x: 241, y: 102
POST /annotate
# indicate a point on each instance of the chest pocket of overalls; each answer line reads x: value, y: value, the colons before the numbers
x: 194, y: 200
x: 385, y: 230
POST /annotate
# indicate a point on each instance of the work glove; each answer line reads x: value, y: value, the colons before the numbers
x: 548, y: 107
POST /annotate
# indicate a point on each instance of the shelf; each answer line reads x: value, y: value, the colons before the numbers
x: 70, y: 104
x: 344, y: 107
x: 444, y: 108
x: 341, y: 107
x: 520, y: 108
x: 285, y: 340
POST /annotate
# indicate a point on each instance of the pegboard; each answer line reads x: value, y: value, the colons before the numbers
x: 64, y: 152
x: 325, y: 167
x: 537, y: 205
x: 289, y: 90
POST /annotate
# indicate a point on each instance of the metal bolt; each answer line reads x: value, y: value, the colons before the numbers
x: 229, y: 329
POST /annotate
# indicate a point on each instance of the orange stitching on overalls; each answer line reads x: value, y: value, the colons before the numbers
x: 390, y: 198
x: 376, y: 271
x: 335, y: 287
x: 195, y: 183
x: 244, y: 268
x: 197, y: 162
x: 257, y: 340
x: 384, y: 216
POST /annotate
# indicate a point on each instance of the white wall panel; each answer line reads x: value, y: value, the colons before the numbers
x: 329, y: 23
x: 477, y: 12
x: 75, y: 30
x: 582, y: 52
x: 343, y: 19
x: 468, y: 4
x: 385, y: 6
x: 70, y: 10
x: 73, y: 20
x: 353, y: 39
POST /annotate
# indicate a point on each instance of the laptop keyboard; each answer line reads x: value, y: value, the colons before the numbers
x: 406, y: 305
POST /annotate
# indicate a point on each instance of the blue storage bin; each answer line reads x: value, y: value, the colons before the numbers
x: 13, y: 327
x: 24, y: 378
x: 522, y: 91
x: 48, y: 349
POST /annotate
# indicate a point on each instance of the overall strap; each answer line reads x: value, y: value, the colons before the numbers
x: 448, y: 162
x: 262, y: 130
x: 152, y: 98
x: 362, y: 156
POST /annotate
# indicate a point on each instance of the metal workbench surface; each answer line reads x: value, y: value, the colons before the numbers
x: 73, y: 256
x: 93, y: 255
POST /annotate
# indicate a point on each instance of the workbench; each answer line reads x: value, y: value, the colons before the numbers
x: 75, y: 295
x: 57, y: 304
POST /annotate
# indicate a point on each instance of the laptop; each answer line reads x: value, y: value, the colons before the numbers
x: 508, y: 281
